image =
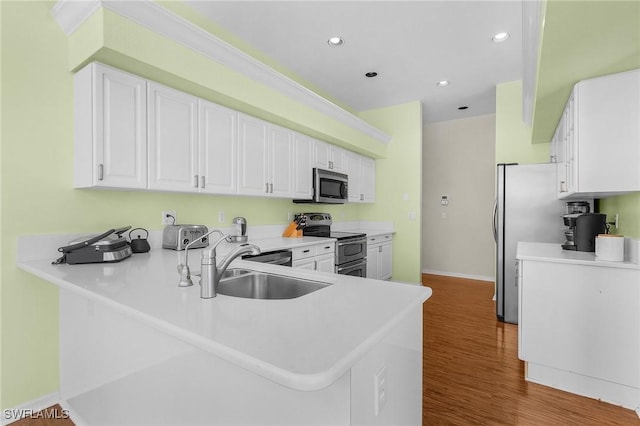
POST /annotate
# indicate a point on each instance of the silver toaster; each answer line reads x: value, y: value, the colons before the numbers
x: 176, y: 237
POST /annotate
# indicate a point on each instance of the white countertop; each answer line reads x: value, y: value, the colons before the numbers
x: 305, y: 343
x: 547, y: 252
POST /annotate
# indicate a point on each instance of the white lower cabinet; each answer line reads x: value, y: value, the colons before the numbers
x: 110, y: 129
x: 319, y: 257
x: 579, y: 328
x: 380, y: 257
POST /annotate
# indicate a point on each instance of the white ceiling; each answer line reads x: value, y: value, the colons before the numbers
x: 410, y: 44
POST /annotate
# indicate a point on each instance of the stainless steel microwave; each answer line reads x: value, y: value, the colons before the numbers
x: 328, y: 187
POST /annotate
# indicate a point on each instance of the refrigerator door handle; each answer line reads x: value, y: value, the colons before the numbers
x: 495, y: 220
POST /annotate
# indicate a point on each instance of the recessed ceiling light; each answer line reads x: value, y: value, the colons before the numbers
x: 500, y: 37
x: 371, y: 74
x: 443, y: 83
x: 335, y: 41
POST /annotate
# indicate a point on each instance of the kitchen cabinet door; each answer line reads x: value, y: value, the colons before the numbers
x: 110, y: 129
x: 338, y: 159
x: 580, y: 319
x: 380, y: 257
x: 385, y: 259
x: 173, y: 139
x: 326, y: 263
x: 302, y: 167
x: 354, y: 171
x: 218, y: 149
x: 279, y: 173
x: 368, y: 179
x: 602, y: 137
x: 252, y: 156
x: 321, y: 155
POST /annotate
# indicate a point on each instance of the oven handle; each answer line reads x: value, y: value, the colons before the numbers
x: 351, y: 265
x: 344, y: 243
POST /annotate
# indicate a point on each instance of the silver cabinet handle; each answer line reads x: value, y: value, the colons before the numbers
x: 100, y: 172
x: 201, y: 181
x: 271, y: 188
x: 315, y: 265
x: 266, y: 188
x: 195, y: 181
x: 380, y: 249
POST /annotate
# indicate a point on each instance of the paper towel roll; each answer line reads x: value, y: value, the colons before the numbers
x: 610, y: 247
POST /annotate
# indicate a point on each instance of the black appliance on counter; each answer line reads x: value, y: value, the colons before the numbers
x: 583, y: 229
x: 351, y: 247
x: 107, y: 247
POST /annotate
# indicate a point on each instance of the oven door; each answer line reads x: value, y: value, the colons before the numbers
x: 350, y: 251
x: 355, y: 269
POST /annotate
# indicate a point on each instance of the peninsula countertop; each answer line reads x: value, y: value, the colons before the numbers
x: 304, y: 343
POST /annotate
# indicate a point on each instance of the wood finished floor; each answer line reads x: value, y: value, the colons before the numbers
x: 472, y: 375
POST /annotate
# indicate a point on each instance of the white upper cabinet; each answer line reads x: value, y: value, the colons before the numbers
x: 218, y: 148
x: 280, y: 154
x: 252, y: 156
x: 598, y: 138
x: 265, y: 156
x: 302, y: 167
x: 131, y: 133
x: 110, y: 132
x: 329, y: 157
x: 368, y: 179
x: 173, y: 139
x: 362, y: 181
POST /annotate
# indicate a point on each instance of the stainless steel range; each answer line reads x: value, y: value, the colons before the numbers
x: 351, y: 248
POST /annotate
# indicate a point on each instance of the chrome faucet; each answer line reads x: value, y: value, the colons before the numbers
x: 212, y: 273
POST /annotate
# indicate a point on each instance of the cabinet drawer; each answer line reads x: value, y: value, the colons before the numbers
x: 378, y: 239
x: 304, y: 252
x: 326, y: 248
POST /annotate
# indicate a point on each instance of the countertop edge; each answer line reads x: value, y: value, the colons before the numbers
x: 297, y: 381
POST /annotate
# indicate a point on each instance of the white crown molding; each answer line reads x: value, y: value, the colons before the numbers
x: 70, y: 14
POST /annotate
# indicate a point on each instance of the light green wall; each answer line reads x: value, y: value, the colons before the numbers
x: 398, y: 174
x: 36, y: 172
x: 628, y: 208
x: 513, y: 137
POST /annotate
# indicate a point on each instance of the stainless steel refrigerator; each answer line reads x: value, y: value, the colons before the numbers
x: 526, y: 209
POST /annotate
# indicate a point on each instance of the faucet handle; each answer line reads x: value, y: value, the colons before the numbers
x: 185, y: 276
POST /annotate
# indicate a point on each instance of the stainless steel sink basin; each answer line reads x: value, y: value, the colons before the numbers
x: 258, y: 285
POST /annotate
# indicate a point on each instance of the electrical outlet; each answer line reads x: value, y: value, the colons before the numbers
x: 169, y: 217
x: 616, y: 224
x: 289, y: 217
x: 380, y: 389
x: 221, y: 218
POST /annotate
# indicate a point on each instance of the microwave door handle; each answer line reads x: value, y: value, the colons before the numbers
x: 344, y: 193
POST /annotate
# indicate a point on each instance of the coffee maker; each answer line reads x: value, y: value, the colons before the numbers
x: 582, y: 226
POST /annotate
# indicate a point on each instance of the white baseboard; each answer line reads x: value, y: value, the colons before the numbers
x: 458, y: 275
x: 10, y: 415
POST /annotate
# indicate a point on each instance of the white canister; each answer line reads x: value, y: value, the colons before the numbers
x: 610, y: 247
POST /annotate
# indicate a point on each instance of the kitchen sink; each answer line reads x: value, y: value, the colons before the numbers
x: 258, y: 285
